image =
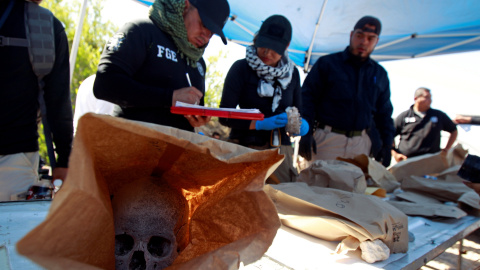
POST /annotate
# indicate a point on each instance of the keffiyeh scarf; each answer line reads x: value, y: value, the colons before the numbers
x: 168, y: 16
x: 272, y: 79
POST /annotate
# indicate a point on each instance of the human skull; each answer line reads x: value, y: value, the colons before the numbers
x: 149, y: 218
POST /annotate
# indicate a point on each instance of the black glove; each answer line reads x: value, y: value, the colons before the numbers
x: 306, y: 145
x: 384, y: 156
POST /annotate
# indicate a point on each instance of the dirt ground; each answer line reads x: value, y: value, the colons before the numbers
x: 449, y: 259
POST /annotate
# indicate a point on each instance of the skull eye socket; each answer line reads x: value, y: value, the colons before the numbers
x: 159, y: 246
x: 123, y: 244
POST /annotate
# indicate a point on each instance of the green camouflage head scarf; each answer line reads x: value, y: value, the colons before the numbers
x: 168, y: 16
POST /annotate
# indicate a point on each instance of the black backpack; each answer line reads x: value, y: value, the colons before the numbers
x: 40, y: 42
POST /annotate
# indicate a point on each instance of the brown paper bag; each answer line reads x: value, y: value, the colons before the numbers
x: 456, y: 155
x: 429, y: 164
x: 375, y: 171
x: 231, y: 217
x: 334, y: 174
x: 429, y: 209
x: 337, y: 215
x: 375, y: 191
x: 438, y: 189
x: 422, y: 165
x: 417, y: 197
x: 471, y: 199
x: 450, y: 174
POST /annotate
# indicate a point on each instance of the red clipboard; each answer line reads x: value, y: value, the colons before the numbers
x: 216, y: 112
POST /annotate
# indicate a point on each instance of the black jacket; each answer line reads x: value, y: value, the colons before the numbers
x: 19, y: 92
x: 240, y: 88
x: 139, y: 70
x: 349, y: 95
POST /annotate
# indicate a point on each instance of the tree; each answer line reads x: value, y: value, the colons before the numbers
x: 94, y: 34
x: 214, y: 80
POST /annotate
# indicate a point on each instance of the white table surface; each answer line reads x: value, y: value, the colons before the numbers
x: 290, y: 249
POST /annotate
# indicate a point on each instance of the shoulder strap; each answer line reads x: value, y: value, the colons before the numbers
x: 8, y: 41
x: 39, y: 30
x: 7, y: 12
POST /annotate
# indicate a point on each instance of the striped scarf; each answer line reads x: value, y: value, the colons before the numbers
x: 282, y: 74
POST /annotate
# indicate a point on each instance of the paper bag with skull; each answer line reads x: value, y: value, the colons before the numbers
x: 143, y: 195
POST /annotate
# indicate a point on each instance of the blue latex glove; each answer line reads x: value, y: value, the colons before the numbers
x: 277, y: 121
x: 303, y: 128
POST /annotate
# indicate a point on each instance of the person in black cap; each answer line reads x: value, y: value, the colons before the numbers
x: 346, y: 101
x: 266, y: 80
x: 150, y: 64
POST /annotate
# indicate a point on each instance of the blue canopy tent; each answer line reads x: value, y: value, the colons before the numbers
x: 410, y: 28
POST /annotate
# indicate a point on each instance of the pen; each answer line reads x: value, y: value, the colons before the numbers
x: 188, y: 80
x: 190, y: 84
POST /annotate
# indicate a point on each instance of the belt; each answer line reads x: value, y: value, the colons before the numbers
x: 347, y: 133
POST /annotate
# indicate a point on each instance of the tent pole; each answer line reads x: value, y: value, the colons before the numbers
x: 448, y: 35
x: 76, y: 39
x: 395, y: 41
x: 447, y: 47
x: 310, y: 48
x: 234, y: 20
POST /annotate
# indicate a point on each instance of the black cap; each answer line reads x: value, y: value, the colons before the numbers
x: 275, y: 33
x: 214, y: 15
x: 371, y: 21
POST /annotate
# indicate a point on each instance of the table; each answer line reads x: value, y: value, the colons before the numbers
x: 295, y: 250
x: 17, y: 218
x: 290, y: 249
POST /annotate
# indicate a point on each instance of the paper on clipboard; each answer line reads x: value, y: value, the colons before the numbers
x: 190, y: 109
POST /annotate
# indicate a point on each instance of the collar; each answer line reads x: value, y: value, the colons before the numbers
x: 413, y: 112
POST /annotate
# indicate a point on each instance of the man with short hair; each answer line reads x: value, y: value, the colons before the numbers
x: 420, y: 128
x: 150, y: 64
x: 346, y: 98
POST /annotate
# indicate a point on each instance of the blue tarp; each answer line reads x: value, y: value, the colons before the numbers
x: 410, y: 28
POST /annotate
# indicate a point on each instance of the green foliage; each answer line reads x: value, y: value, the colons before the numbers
x: 95, y: 32
x: 42, y: 145
x: 214, y: 80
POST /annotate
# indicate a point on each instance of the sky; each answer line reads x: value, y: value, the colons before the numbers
x: 454, y: 79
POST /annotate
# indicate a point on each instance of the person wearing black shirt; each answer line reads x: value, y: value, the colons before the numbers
x: 152, y: 63
x: 266, y: 80
x: 346, y: 101
x: 420, y: 128
x: 19, y: 106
